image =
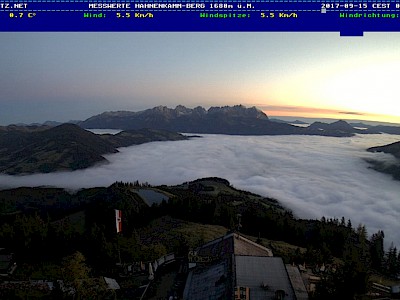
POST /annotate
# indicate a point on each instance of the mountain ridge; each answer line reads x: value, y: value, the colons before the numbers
x: 393, y: 148
x: 233, y: 120
x: 393, y: 168
x: 66, y: 147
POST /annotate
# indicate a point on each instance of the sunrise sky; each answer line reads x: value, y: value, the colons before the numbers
x: 63, y: 76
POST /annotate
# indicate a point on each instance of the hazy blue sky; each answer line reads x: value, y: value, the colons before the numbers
x: 63, y: 76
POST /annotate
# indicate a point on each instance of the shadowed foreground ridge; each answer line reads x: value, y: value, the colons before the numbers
x: 72, y: 236
x: 66, y: 147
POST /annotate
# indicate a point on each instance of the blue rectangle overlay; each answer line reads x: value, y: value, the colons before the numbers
x: 348, y: 18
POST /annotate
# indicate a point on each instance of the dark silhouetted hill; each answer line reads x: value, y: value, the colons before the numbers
x: 393, y: 169
x: 393, y: 148
x: 65, y: 147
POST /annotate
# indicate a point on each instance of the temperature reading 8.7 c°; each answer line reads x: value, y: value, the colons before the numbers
x: 20, y: 15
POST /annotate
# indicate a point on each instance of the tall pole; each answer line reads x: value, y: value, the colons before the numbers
x: 119, y: 249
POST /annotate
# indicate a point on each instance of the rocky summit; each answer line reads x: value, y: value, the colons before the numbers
x: 234, y: 120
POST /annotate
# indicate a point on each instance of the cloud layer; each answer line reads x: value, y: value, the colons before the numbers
x: 312, y: 175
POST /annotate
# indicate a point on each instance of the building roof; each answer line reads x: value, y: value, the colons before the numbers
x: 208, y: 282
x: 233, y: 243
x: 235, y: 261
x: 297, y: 282
x: 265, y: 276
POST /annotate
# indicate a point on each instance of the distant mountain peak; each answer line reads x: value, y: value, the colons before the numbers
x: 161, y: 108
x: 338, y: 125
x: 238, y: 111
x: 341, y: 125
x: 236, y: 120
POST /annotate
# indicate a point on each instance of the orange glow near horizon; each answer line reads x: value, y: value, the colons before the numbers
x: 306, y: 112
x: 362, y: 87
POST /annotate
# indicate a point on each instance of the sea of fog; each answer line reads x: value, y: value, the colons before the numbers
x: 314, y: 176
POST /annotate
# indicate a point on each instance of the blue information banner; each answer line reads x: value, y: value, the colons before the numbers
x: 348, y: 18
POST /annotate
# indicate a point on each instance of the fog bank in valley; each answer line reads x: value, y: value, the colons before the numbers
x: 311, y: 175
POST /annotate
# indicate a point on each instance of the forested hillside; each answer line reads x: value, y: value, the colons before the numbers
x: 41, y: 226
